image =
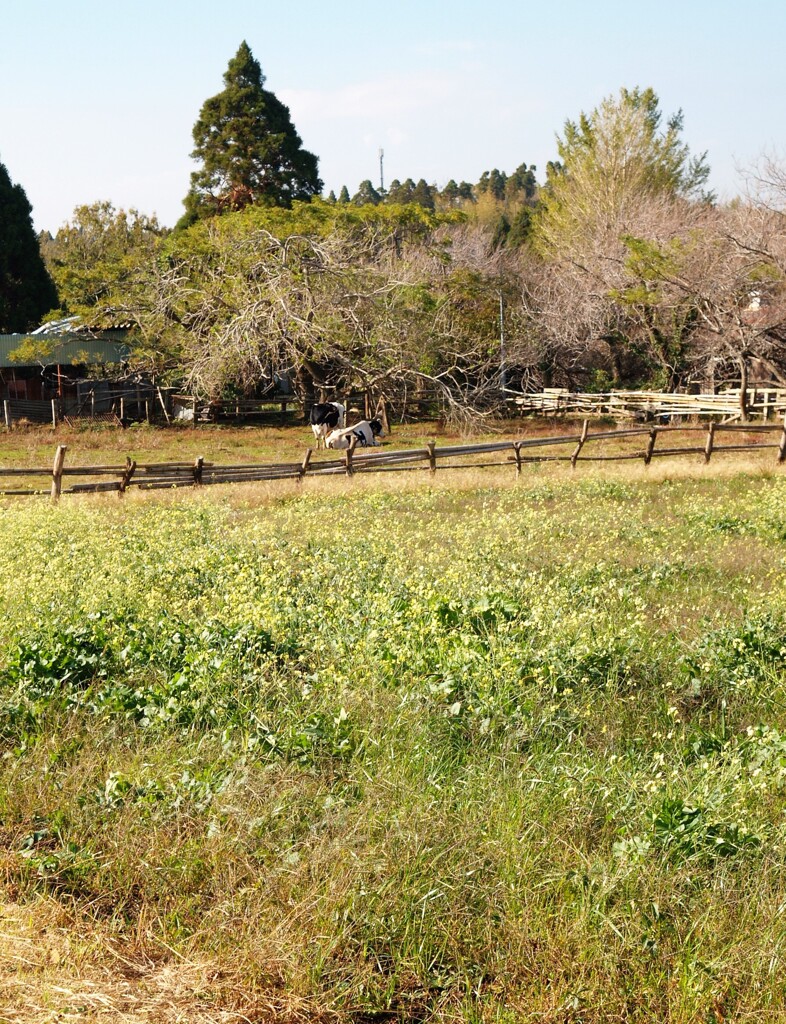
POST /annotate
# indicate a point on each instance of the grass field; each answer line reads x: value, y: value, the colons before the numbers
x: 34, y: 445
x: 466, y: 749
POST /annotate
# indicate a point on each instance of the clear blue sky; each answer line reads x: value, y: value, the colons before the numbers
x: 99, y: 99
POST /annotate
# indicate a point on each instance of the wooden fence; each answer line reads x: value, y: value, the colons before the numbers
x: 761, y: 403
x: 586, y: 446
x: 97, y: 404
x: 119, y: 406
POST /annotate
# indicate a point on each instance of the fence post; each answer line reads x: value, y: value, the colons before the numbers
x: 650, y: 446
x: 126, y: 478
x: 194, y: 412
x: 348, y: 456
x: 304, y: 464
x: 382, y: 412
x: 57, y: 472
x: 580, y: 445
x: 54, y: 413
x: 163, y: 406
x: 7, y: 413
x: 517, y: 454
x: 782, y: 445
x: 432, y: 457
x: 710, y: 442
x: 92, y: 403
x: 198, y: 464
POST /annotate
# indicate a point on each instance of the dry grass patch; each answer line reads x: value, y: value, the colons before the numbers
x: 54, y: 968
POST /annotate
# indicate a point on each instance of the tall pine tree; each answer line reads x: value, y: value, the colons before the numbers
x: 26, y: 289
x: 248, y: 148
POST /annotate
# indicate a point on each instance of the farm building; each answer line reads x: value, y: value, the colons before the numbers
x: 51, y: 363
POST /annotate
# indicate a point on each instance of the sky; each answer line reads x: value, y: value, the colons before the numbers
x: 98, y: 100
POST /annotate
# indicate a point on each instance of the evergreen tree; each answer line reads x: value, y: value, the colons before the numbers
x: 501, y: 232
x: 401, y: 194
x: 423, y: 195
x: 493, y: 182
x: 450, y: 193
x: 365, y: 194
x: 26, y: 289
x: 522, y: 183
x: 343, y: 196
x: 248, y: 148
x: 519, y: 227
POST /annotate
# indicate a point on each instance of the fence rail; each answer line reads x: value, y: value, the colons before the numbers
x: 62, y: 479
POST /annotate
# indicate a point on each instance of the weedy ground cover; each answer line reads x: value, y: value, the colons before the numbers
x: 472, y: 751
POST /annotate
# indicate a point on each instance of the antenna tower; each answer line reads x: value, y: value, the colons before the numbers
x: 381, y: 175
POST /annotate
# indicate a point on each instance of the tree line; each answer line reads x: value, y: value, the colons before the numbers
x: 618, y: 269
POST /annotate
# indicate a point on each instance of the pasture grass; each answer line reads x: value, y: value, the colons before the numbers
x: 95, y: 444
x: 461, y: 749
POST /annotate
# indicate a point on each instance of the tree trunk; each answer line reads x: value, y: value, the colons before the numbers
x: 306, y: 387
x: 743, y: 389
x: 615, y: 358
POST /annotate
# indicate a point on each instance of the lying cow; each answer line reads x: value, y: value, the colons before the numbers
x: 326, y: 417
x: 366, y: 432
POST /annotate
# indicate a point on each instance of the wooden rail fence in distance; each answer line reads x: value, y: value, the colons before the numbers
x: 762, y: 403
x: 571, y: 448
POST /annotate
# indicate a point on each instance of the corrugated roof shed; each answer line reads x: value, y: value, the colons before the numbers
x: 67, y: 350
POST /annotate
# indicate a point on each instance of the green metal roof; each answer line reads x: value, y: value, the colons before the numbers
x: 65, y: 349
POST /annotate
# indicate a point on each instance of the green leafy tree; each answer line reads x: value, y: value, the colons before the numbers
x: 622, y: 174
x: 339, y: 295
x: 248, y: 148
x: 612, y: 161
x: 100, y: 256
x: 26, y: 289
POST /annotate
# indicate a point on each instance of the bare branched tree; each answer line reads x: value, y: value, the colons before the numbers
x: 366, y: 307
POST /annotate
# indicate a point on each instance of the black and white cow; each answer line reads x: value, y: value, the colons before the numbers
x: 366, y: 432
x: 325, y: 417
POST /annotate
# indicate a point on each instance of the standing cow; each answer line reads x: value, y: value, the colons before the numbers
x: 366, y: 433
x: 325, y: 417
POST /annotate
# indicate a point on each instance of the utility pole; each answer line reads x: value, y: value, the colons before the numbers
x: 381, y: 175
